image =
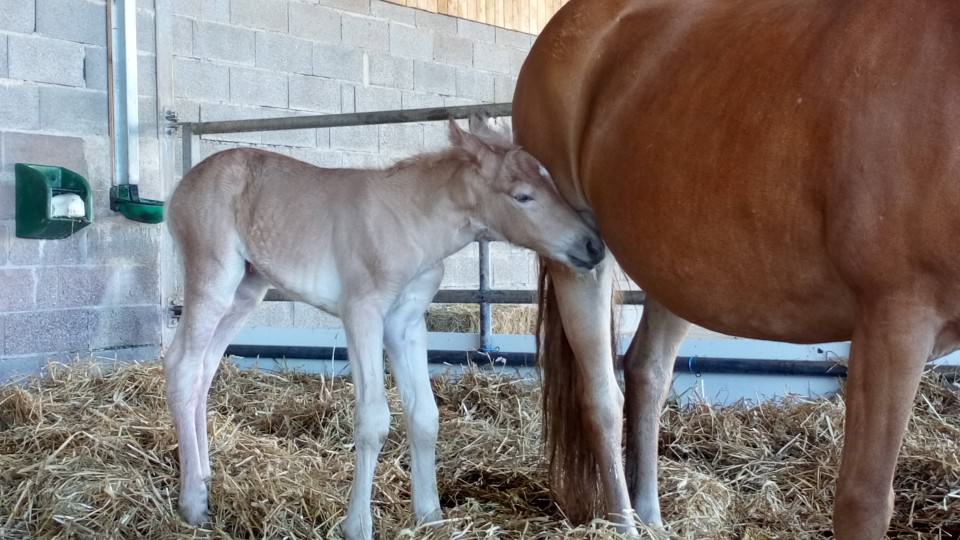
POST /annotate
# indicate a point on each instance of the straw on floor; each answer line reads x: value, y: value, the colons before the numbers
x: 88, y: 453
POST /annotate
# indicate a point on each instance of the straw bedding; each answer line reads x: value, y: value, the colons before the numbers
x: 87, y: 453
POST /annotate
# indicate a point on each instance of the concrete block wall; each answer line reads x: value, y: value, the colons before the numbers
x: 96, y: 292
x: 257, y: 58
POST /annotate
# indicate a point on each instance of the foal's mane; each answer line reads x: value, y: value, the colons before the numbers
x: 431, y: 160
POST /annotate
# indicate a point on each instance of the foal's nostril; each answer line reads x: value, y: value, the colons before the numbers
x: 595, y: 249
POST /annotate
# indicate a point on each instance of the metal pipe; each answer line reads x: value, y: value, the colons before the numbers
x: 683, y: 364
x: 349, y: 119
x: 486, y: 318
x: 124, y: 92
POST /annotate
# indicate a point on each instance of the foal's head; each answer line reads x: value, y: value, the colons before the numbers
x: 516, y: 200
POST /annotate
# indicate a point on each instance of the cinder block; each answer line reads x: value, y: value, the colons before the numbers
x: 125, y: 327
x: 187, y: 110
x: 451, y: 101
x: 200, y: 80
x: 512, y: 38
x: 503, y: 88
x: 271, y: 315
x: 7, y: 197
x: 323, y: 138
x: 95, y: 67
x: 307, y: 316
x: 19, y: 368
x: 517, y: 58
x: 146, y: 75
x: 73, y: 20
x: 48, y: 286
x: 284, y: 53
x: 365, y: 33
x: 123, y: 243
x: 31, y: 252
x: 47, y: 331
x: 476, y: 31
x: 434, y: 78
x: 214, y: 41
x: 411, y: 42
x: 348, y: 101
x: 46, y: 60
x: 79, y: 286
x: 146, y: 32
x: 210, y: 112
x: 19, y: 106
x: 4, y: 241
x: 17, y: 288
x: 416, y: 100
x: 17, y: 16
x: 436, y: 22
x: 187, y: 8
x: 404, y: 139
x: 320, y: 158
x: 455, y: 50
x: 357, y: 6
x: 315, y: 23
x: 4, y: 64
x: 475, y: 85
x: 262, y: 14
x: 373, y: 98
x: 460, y: 269
x: 73, y: 110
x: 314, y: 94
x: 386, y: 70
x: 436, y: 136
x: 290, y: 137
x: 362, y: 160
x: 393, y: 12
x: 215, y: 10
x: 493, y: 57
x: 258, y: 87
x: 182, y: 36
x: 338, y: 62
x: 512, y: 267
x: 357, y: 138
x: 46, y: 149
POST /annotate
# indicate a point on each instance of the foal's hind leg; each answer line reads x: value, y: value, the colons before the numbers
x: 248, y: 295
x: 648, y: 367
x: 891, y: 344
x: 405, y: 337
x: 210, y: 286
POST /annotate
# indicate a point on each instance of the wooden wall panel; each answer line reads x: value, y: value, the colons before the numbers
x: 528, y: 16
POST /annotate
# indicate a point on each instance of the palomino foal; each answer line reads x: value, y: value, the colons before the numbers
x: 366, y: 245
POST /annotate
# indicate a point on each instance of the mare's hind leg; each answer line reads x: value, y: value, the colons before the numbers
x: 891, y: 343
x: 648, y: 369
x: 405, y: 337
x: 248, y: 295
x: 210, y: 284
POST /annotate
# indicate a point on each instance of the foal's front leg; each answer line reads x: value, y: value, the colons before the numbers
x: 364, y: 326
x: 405, y: 337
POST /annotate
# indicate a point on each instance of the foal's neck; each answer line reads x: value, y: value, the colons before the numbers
x: 433, y: 190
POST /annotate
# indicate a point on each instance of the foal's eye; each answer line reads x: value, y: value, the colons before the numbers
x: 522, y: 198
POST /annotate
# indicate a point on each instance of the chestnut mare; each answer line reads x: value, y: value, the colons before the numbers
x: 367, y: 245
x: 775, y: 169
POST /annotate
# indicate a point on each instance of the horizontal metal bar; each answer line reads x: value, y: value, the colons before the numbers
x: 350, y: 119
x: 682, y: 364
x: 457, y: 296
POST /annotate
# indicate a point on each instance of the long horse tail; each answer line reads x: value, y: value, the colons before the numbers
x: 574, y: 473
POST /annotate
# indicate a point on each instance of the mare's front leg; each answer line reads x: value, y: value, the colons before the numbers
x: 363, y: 321
x: 584, y: 302
x: 648, y: 369
x: 405, y: 337
x: 891, y: 343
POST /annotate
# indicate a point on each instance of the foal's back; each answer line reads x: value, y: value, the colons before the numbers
x: 280, y: 214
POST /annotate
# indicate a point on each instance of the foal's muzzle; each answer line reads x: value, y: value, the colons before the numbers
x: 587, y: 253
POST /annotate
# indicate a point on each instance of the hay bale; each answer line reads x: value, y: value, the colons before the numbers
x: 90, y: 453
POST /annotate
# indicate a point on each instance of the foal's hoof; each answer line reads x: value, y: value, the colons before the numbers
x: 429, y: 517
x: 193, y: 508
x: 354, y: 529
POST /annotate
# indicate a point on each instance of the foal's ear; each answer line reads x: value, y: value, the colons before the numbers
x: 466, y: 140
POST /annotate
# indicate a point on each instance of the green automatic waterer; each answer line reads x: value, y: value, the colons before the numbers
x: 126, y: 200
x: 51, y: 202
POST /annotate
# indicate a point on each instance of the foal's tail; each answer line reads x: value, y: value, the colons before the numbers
x: 573, y: 468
